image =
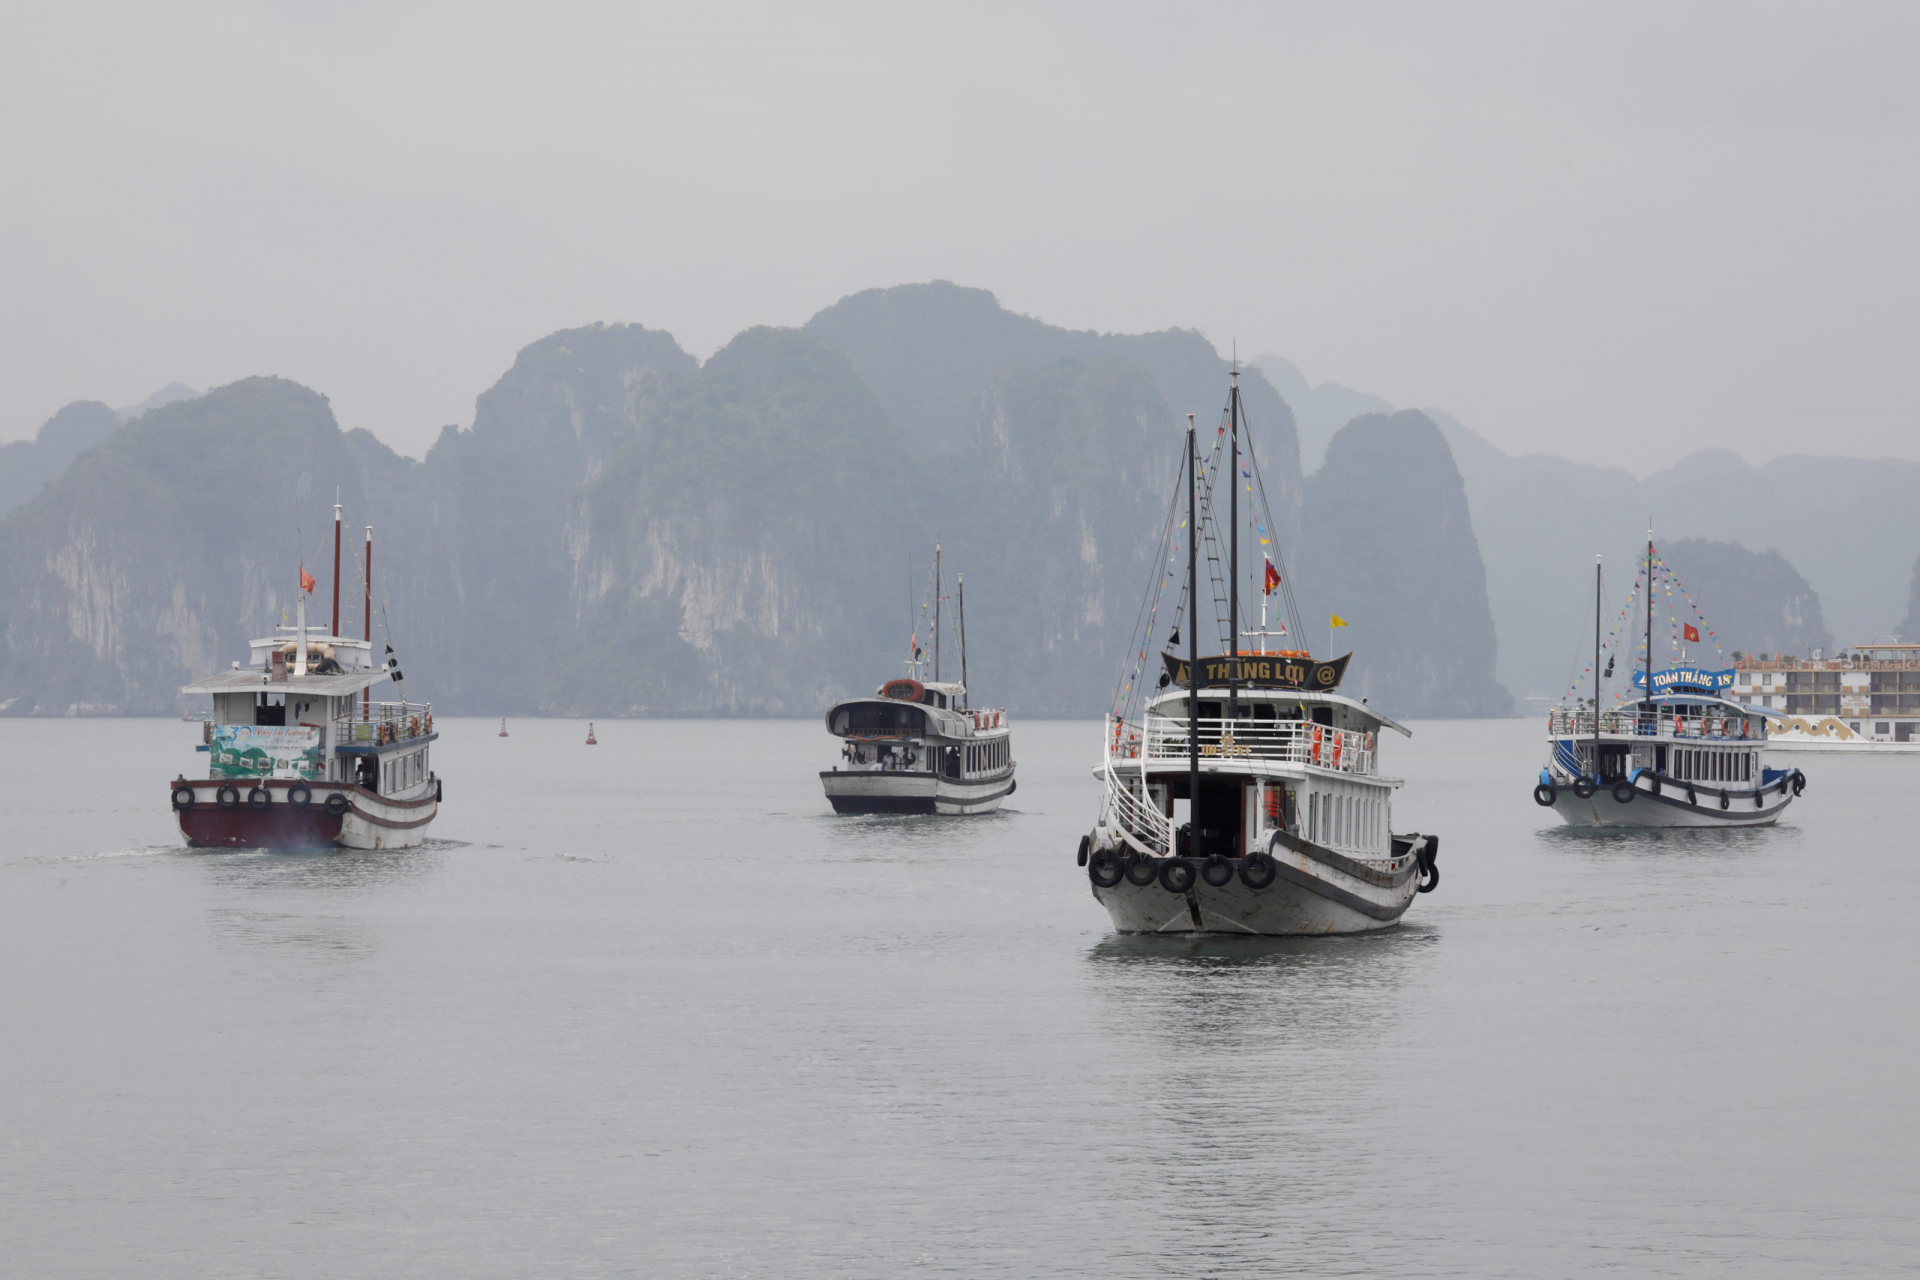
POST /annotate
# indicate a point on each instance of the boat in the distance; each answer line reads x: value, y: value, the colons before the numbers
x: 1289, y: 820
x: 919, y: 746
x: 1675, y: 750
x: 299, y: 754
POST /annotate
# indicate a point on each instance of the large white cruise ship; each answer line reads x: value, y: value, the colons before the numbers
x: 1864, y: 700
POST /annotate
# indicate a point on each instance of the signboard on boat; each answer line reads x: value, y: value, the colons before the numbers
x: 265, y: 751
x: 1262, y: 671
x: 1685, y: 677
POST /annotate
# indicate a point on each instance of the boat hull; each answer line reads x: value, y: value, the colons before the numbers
x: 1783, y: 745
x: 1316, y: 893
x: 370, y: 821
x: 1667, y: 809
x: 926, y: 793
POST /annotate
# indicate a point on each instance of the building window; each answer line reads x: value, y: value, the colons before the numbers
x: 1881, y: 728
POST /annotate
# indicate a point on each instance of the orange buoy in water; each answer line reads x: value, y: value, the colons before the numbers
x: 503, y: 728
x: 591, y: 740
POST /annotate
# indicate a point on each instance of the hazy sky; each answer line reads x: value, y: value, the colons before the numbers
x: 1618, y: 234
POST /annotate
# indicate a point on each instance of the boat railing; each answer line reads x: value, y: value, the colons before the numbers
x: 1129, y: 807
x: 384, y: 722
x: 1668, y: 728
x: 1165, y: 740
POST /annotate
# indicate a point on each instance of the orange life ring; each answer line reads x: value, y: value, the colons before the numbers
x: 1316, y: 744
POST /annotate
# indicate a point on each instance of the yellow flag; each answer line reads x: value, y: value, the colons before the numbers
x: 1337, y: 621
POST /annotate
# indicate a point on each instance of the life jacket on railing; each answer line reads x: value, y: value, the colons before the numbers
x: 1337, y: 744
x: 1317, y: 732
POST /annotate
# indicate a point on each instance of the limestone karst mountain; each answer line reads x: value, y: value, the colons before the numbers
x: 25, y: 465
x: 626, y: 530
x: 1754, y: 600
x: 1389, y: 546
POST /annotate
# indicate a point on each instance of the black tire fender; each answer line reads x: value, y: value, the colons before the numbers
x: 1429, y: 859
x: 1544, y: 794
x: 1086, y: 843
x: 1585, y: 788
x: 259, y: 798
x: 182, y: 796
x: 1106, y: 868
x: 1799, y: 782
x: 228, y: 797
x: 299, y: 795
x: 1142, y: 870
x: 1177, y: 874
x: 1726, y: 799
x: 337, y: 803
x: 1624, y: 792
x: 1691, y: 797
x: 1217, y: 871
x: 439, y: 791
x: 1257, y: 870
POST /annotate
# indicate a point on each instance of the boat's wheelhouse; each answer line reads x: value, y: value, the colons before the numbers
x: 915, y: 727
x: 1685, y: 737
x: 1269, y: 759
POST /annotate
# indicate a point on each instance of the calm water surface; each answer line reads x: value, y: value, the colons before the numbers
x: 648, y: 1008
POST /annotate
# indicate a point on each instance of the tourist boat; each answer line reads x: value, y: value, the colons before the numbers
x: 918, y: 746
x: 1865, y: 701
x: 1288, y: 825
x: 1681, y: 754
x: 300, y: 756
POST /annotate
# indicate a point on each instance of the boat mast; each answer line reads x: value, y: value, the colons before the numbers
x: 1596, y: 669
x: 336, y: 570
x: 366, y: 630
x: 966, y: 699
x: 1647, y: 703
x: 936, y: 612
x: 1233, y: 555
x: 1193, y: 639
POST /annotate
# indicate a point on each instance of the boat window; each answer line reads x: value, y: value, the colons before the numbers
x: 884, y: 718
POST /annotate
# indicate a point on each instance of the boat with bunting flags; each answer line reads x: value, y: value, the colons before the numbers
x: 1673, y: 750
x: 299, y: 754
x: 1243, y: 793
x: 920, y: 746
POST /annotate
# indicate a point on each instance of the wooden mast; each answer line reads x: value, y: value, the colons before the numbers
x: 336, y: 571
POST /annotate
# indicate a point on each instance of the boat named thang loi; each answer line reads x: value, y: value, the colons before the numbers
x: 1288, y: 816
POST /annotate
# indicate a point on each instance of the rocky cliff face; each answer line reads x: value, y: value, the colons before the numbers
x: 1389, y: 546
x: 483, y: 551
x: 742, y: 553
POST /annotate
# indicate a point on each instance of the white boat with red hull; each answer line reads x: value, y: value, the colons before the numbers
x: 299, y: 754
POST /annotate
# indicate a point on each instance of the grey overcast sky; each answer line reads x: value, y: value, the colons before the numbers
x: 1619, y: 232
